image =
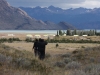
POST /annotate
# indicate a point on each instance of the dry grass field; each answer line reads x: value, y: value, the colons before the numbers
x: 67, y: 59
x: 21, y: 36
x: 51, y: 47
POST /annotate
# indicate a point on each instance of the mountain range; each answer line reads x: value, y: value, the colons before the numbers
x: 12, y: 18
x: 81, y: 18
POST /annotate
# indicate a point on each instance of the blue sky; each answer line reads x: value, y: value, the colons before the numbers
x: 57, y: 3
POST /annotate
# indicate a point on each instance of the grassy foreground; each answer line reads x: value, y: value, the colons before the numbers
x: 81, y: 61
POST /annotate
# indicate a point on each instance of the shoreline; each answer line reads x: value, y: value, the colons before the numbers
x: 30, y: 31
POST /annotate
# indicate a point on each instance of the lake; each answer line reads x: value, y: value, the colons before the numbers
x: 29, y: 31
x: 34, y: 31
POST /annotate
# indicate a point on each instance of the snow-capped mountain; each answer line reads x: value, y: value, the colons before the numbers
x: 12, y: 18
x: 81, y: 18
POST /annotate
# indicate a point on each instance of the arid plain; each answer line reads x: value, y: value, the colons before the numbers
x: 51, y: 47
x: 66, y: 59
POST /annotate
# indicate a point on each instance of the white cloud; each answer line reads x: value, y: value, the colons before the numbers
x: 57, y: 3
x: 88, y: 4
x: 49, y: 1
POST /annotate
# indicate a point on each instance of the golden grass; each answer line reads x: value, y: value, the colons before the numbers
x: 34, y: 65
x: 86, y: 52
x: 51, y: 47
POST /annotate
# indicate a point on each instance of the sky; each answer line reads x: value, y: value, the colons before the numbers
x: 64, y: 4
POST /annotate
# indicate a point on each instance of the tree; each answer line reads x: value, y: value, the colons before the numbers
x: 95, y: 31
x: 60, y: 32
x: 57, y: 33
x: 75, y: 32
x: 68, y: 32
x: 91, y: 32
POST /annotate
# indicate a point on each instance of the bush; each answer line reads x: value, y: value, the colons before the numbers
x: 29, y: 40
x: 77, y: 72
x: 47, y: 55
x: 60, y: 64
x: 67, y: 60
x: 93, y: 69
x: 9, y: 59
x: 66, y: 55
x: 73, y: 65
x: 10, y: 40
x: 22, y: 62
x: 82, y: 46
x: 76, y: 51
x: 57, y: 45
x: 2, y: 58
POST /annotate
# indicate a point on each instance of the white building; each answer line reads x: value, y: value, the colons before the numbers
x: 51, y: 36
x: 37, y: 36
x: 84, y: 35
x: 64, y: 35
x: 11, y: 35
x: 45, y: 36
x: 75, y: 35
x: 29, y: 36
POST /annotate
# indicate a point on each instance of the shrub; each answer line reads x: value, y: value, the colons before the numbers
x: 22, y: 62
x: 88, y: 48
x: 2, y: 58
x: 77, y: 72
x: 82, y: 46
x: 93, y: 69
x: 92, y: 59
x: 29, y: 40
x: 73, y: 65
x: 9, y: 59
x: 57, y: 45
x: 60, y: 64
x: 67, y: 60
x: 66, y: 55
x: 47, y: 55
x: 74, y: 52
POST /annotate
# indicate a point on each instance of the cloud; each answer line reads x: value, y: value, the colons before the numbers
x: 88, y: 4
x: 57, y: 3
x: 42, y: 2
x: 48, y: 1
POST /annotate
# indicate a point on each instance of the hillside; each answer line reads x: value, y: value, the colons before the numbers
x: 12, y: 18
x: 15, y: 18
x: 81, y: 18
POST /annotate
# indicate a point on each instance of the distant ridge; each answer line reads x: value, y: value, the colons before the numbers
x: 12, y: 18
x: 81, y: 18
x: 65, y: 24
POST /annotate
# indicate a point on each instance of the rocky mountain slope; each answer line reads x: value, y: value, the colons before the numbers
x: 16, y: 18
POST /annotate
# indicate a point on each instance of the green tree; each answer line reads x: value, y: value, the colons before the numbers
x: 68, y: 32
x: 91, y: 33
x: 60, y: 32
x: 57, y: 33
x: 95, y: 32
x: 75, y: 32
